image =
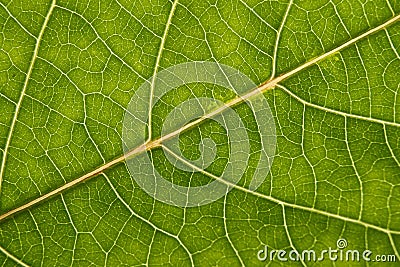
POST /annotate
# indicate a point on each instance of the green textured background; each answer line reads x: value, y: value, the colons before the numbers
x: 69, y: 68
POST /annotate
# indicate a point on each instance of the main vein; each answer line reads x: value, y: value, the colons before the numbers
x: 158, y: 142
x: 11, y: 256
x: 21, y: 97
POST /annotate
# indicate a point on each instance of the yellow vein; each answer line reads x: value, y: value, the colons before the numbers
x: 72, y: 183
x: 281, y: 202
x: 227, y: 232
x: 337, y: 49
x: 285, y: 225
x: 17, y: 21
x: 353, y: 164
x: 9, y: 255
x: 278, y: 38
x: 162, y: 44
x: 157, y: 143
x: 396, y: 252
x: 337, y: 112
x: 21, y: 97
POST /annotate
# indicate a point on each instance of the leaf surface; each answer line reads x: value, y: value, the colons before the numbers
x: 68, y: 69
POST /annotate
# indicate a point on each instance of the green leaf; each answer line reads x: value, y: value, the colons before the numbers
x: 329, y: 71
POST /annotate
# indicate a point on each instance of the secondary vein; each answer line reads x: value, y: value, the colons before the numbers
x: 21, y: 97
x: 160, y: 50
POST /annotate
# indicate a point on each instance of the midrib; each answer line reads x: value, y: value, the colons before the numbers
x: 156, y: 143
